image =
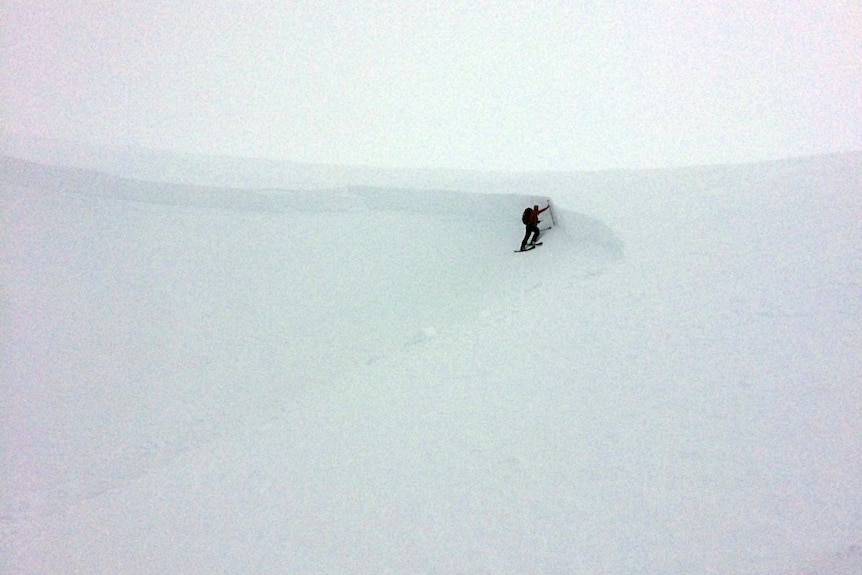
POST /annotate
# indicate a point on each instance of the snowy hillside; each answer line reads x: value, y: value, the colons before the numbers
x: 362, y: 377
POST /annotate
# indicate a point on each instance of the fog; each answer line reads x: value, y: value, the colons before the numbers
x: 526, y: 86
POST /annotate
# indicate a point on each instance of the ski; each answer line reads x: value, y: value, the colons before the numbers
x: 529, y: 247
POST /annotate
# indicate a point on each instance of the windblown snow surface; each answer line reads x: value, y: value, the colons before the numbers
x: 352, y: 372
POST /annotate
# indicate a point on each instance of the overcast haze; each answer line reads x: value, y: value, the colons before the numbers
x: 516, y: 86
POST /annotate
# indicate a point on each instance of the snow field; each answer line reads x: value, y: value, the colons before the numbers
x: 369, y: 380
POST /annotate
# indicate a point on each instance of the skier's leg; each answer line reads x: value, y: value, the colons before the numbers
x: 526, y: 237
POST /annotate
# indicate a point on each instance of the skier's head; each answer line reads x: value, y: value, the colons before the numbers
x: 536, y: 207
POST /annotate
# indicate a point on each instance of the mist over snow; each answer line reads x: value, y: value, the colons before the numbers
x: 212, y: 365
x: 539, y: 85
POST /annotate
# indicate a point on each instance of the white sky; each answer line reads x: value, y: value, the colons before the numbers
x: 507, y: 85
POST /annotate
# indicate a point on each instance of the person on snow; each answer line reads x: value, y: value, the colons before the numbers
x: 531, y: 220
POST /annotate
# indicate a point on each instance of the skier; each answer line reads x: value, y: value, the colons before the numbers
x: 532, y: 223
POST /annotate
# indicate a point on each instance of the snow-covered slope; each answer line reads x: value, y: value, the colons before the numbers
x: 367, y: 379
